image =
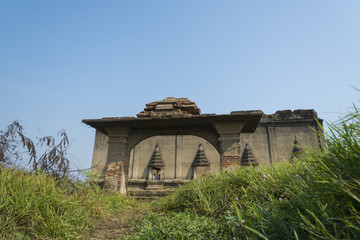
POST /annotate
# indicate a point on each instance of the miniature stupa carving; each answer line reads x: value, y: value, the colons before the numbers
x: 156, y: 160
x: 296, y: 150
x: 248, y: 158
x: 200, y: 158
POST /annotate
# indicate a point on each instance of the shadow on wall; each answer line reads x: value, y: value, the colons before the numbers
x: 175, y: 155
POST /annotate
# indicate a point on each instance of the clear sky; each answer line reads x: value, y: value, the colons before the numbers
x: 64, y: 61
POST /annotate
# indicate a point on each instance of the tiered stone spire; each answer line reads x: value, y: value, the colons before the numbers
x: 200, y: 158
x: 296, y: 150
x: 156, y: 160
x: 248, y: 158
x: 169, y: 108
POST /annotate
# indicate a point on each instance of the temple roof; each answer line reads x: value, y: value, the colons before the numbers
x: 176, y: 112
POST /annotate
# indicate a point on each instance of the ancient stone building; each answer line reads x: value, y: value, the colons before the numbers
x: 170, y: 143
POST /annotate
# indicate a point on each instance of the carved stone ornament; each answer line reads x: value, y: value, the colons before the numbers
x: 156, y: 160
x: 296, y: 150
x: 200, y: 158
x: 248, y: 158
x: 169, y: 108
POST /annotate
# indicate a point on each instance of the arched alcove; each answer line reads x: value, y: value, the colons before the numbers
x: 207, y: 133
x: 177, y: 153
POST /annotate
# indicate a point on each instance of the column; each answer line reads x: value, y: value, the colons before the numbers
x: 118, y: 157
x: 229, y: 138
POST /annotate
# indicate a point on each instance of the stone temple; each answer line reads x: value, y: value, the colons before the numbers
x: 170, y: 143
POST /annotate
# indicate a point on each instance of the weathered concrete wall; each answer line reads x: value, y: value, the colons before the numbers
x: 177, y: 152
x: 273, y: 140
x: 100, y: 153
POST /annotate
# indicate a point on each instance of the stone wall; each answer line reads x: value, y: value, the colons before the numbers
x: 275, y: 136
x: 99, y: 153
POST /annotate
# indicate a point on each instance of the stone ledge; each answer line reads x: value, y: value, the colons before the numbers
x: 291, y: 115
x: 149, y: 194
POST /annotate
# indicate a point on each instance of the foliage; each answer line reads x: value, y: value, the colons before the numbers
x: 333, y: 212
x: 53, y: 160
x: 182, y: 225
x: 36, y: 206
x: 253, y: 191
x: 11, y: 140
x: 33, y: 206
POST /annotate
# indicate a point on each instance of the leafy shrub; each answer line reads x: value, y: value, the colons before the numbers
x: 177, y: 226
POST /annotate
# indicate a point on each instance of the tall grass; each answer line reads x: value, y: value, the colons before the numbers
x: 260, y: 198
x: 333, y: 212
x: 35, y: 206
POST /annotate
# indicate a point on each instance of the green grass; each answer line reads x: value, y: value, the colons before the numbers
x: 177, y: 226
x: 35, y: 206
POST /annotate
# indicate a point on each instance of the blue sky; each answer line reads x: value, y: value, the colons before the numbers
x: 64, y: 61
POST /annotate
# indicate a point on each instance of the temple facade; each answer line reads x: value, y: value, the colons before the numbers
x: 170, y: 143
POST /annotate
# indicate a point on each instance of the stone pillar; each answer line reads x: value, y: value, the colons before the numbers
x: 229, y: 138
x: 118, y: 157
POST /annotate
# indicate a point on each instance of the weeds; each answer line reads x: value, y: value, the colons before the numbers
x: 36, y: 206
x: 177, y: 226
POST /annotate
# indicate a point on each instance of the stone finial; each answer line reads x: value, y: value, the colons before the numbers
x: 248, y: 158
x: 200, y: 158
x: 170, y: 107
x: 156, y: 160
x: 296, y: 150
